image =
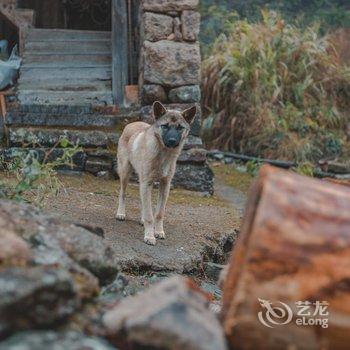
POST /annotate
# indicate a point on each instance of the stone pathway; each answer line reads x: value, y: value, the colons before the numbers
x: 196, y: 227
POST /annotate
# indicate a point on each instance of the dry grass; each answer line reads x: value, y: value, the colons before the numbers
x: 276, y: 91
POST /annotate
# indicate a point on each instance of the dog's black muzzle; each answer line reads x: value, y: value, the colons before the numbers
x: 171, y: 138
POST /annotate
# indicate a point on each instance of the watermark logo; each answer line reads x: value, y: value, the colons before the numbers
x: 308, y: 313
x: 273, y: 315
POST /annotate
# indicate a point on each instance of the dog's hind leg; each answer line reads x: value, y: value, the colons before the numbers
x: 124, y: 170
x: 147, y: 213
x: 164, y: 189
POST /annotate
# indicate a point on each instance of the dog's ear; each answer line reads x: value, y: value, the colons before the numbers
x: 190, y: 114
x: 158, y: 110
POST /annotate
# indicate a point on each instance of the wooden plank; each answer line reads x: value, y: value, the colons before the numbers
x: 66, y: 35
x: 44, y: 47
x: 119, y: 49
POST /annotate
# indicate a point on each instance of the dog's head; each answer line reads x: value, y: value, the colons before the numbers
x: 172, y: 127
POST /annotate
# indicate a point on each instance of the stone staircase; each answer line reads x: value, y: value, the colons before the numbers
x: 65, y: 91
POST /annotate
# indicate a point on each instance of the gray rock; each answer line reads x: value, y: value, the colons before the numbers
x: 171, y: 63
x: 185, y: 94
x: 95, y: 165
x: 172, y: 314
x: 156, y: 26
x: 85, y: 248
x: 177, y: 29
x: 194, y: 155
x: 190, y: 25
x: 213, y: 270
x: 48, y: 252
x: 169, y: 5
x: 151, y: 93
x: 50, y: 340
x: 194, y: 177
x: 35, y: 297
x: 193, y: 142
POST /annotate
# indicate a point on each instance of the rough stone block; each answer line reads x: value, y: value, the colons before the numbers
x: 151, y: 93
x: 171, y: 64
x: 156, y: 26
x: 169, y: 5
x: 45, y: 340
x: 185, y: 94
x: 173, y: 314
x: 194, y: 177
x: 190, y: 25
x: 177, y: 29
x: 194, y: 155
x: 43, y: 295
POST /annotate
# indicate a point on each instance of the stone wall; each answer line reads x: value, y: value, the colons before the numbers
x: 170, y: 73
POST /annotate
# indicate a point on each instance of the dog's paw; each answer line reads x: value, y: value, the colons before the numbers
x: 150, y: 240
x: 160, y: 235
x: 120, y: 217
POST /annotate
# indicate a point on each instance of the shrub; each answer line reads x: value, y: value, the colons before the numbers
x: 30, y: 180
x: 277, y: 91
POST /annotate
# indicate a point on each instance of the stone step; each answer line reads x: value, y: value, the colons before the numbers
x: 63, y: 47
x: 43, y: 74
x: 34, y: 137
x: 66, y: 85
x: 78, y: 98
x: 66, y: 35
x: 67, y: 61
x: 52, y: 116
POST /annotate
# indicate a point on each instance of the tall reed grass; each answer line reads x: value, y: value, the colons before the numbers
x: 275, y: 90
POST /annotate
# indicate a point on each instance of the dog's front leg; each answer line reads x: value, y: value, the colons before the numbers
x: 164, y: 189
x: 146, y: 202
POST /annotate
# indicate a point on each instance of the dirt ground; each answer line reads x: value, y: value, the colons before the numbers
x: 195, y: 225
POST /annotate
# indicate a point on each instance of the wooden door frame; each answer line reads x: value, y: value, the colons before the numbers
x: 120, y: 49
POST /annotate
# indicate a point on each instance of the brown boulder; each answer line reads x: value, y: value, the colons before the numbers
x: 190, y: 25
x: 156, y: 26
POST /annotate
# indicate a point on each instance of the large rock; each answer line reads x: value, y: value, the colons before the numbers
x: 35, y: 297
x: 156, y: 26
x: 82, y: 246
x: 48, y: 252
x: 45, y: 340
x: 169, y: 5
x: 185, y: 94
x: 194, y: 155
x: 190, y: 25
x: 151, y: 93
x: 194, y: 177
x: 171, y: 63
x: 173, y: 315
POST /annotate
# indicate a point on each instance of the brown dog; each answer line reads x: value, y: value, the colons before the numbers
x: 152, y: 150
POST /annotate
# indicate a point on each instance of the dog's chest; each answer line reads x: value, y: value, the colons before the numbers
x: 163, y: 166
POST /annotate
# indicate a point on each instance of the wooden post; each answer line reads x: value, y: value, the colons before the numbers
x: 294, y: 247
x: 119, y: 49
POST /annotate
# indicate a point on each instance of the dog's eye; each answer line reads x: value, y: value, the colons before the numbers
x: 180, y: 127
x: 165, y: 126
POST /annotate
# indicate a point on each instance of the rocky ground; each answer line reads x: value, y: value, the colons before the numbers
x: 65, y: 272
